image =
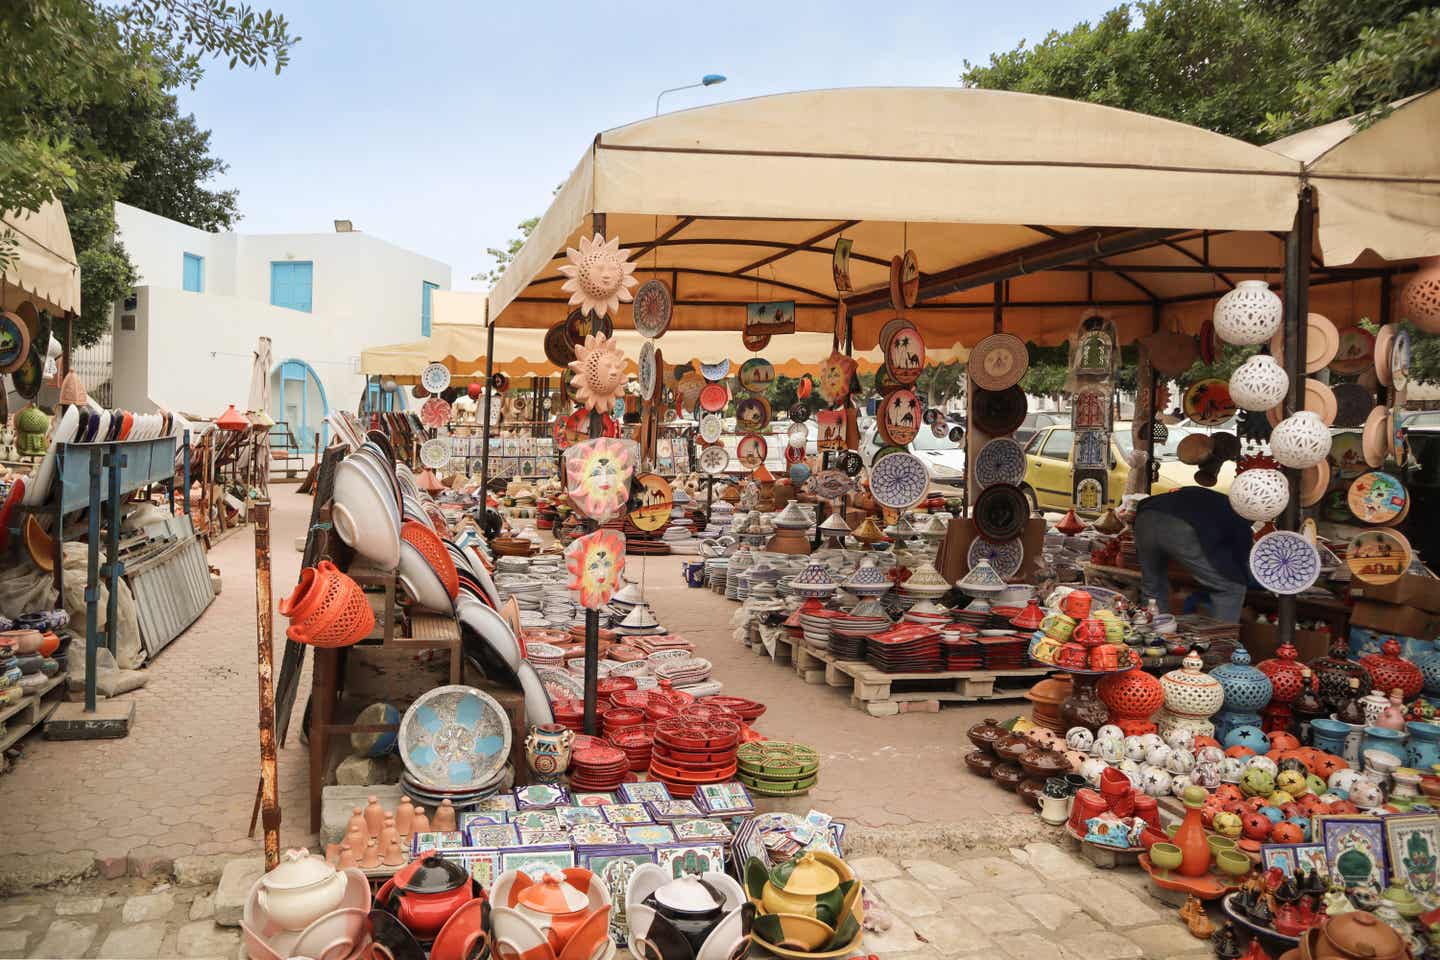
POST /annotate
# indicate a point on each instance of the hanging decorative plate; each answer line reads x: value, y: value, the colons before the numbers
x: 999, y: 361
x: 1322, y: 342
x: 647, y: 375
x: 14, y: 342
x: 752, y: 414
x: 905, y: 355
x: 499, y: 382
x: 756, y: 374
x: 687, y: 389
x: 714, y: 397
x: 29, y: 376
x: 831, y: 427
x: 714, y: 459
x: 1000, y: 512
x: 1208, y: 342
x: 595, y: 561
x: 751, y: 450
x: 999, y: 413
x: 794, y: 454
x: 1207, y: 402
x: 1284, y: 562
x: 710, y: 427
x: 435, y: 453
x: 1347, y: 453
x: 715, y: 372
x: 1384, y: 341
x: 435, y: 412
x: 1095, y: 355
x: 797, y: 435
x: 1377, y: 497
x: 1356, y: 351
x: 798, y: 413
x: 577, y: 426
x: 651, y: 498
x: 1314, y: 482
x: 1400, y: 360
x: 910, y: 278
x: 1352, y: 404
x: 899, y: 481
x: 435, y: 377
x: 850, y: 463
x: 558, y: 348
x: 1005, y: 556
x: 1090, y: 449
x: 597, y: 476
x: 1002, y: 460
x: 579, y: 325
x: 897, y: 416
x: 454, y: 737
x: 1375, y: 440
x: 897, y: 292
x: 1089, y: 493
x: 836, y: 372
x: 957, y: 434
x: 1399, y: 445
x: 831, y: 484
x: 1379, y: 556
x: 651, y: 309
x: 755, y: 342
x: 887, y: 330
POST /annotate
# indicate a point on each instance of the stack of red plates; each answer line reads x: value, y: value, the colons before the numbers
x: 616, y: 719
x: 746, y: 709
x: 635, y: 699
x: 1005, y: 653
x: 637, y: 742
x: 597, y: 765
x: 660, y: 704
x: 607, y: 687
x: 905, y: 648
x: 569, y: 713
x: 689, y: 751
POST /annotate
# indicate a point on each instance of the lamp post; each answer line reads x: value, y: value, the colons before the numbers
x: 709, y: 80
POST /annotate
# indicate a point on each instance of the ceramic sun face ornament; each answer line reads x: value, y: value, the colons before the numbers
x: 599, y: 372
x: 835, y: 374
x: 597, y: 474
x: 598, y: 276
x: 595, y: 562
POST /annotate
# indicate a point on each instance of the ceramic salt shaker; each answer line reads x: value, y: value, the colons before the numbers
x: 390, y: 852
x: 404, y: 813
x: 444, y: 817
x: 374, y: 817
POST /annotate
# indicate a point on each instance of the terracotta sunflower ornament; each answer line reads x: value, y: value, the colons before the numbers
x: 599, y: 372
x: 599, y: 277
x: 595, y: 562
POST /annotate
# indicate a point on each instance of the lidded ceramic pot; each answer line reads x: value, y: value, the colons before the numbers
x: 301, y: 890
x: 868, y: 580
x: 1247, y: 689
x: 814, y: 581
x: 794, y: 517
x: 1429, y: 664
x: 1388, y: 670
x: 1356, y: 934
x: 925, y: 581
x: 1333, y: 673
x: 1191, y: 697
x: 981, y: 581
x: 1132, y: 698
x: 1284, y: 671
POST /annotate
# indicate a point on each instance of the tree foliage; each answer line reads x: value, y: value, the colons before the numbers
x: 503, y: 255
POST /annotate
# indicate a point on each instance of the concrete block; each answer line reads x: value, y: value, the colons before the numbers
x: 338, y: 802
x: 235, y: 883
x: 360, y: 772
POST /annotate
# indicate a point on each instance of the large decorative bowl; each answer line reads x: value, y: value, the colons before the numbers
x: 455, y: 738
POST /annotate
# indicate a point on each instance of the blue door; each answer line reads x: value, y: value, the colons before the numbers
x: 290, y: 283
x: 194, y: 279
x: 300, y: 402
x: 425, y: 288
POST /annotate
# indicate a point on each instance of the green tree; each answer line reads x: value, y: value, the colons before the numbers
x: 503, y: 255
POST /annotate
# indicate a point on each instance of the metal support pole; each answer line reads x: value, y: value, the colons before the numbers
x: 1152, y: 413
x: 114, y: 566
x: 485, y: 417
x: 265, y: 653
x: 1298, y: 246
x: 592, y: 617
x: 1387, y: 298
x: 185, y: 494
x: 92, y: 582
x: 997, y: 305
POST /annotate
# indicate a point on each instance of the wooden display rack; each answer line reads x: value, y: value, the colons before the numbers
x: 29, y: 712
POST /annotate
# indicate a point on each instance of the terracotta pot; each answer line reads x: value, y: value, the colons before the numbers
x: 979, y: 762
x: 1007, y: 774
x: 985, y: 733
x: 1041, y: 763
x: 1356, y: 934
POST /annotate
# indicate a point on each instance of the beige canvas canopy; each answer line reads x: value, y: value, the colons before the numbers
x: 44, y: 270
x: 1026, y: 208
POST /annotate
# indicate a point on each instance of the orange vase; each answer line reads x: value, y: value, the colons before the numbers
x: 1190, y: 838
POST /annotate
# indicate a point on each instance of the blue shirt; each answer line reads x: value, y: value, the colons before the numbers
x: 1224, y: 535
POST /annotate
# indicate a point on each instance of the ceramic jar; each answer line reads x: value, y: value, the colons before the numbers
x: 1386, y: 741
x: 1333, y: 674
x: 1259, y: 383
x: 1429, y: 664
x: 547, y: 750
x: 1132, y: 698
x: 300, y: 890
x: 1284, y: 671
x: 1247, y: 690
x: 1083, y: 708
x: 1301, y: 440
x: 1423, y: 750
x: 985, y: 734
x: 1329, y: 735
x: 1248, y: 314
x: 1388, y: 670
x: 1355, y: 934
x: 1191, y: 698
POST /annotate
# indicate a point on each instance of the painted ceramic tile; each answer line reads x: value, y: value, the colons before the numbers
x: 614, y: 866
x: 537, y: 861
x: 468, y: 820
x: 500, y: 802
x: 626, y: 813
x: 437, y: 841
x: 537, y: 820
x: 543, y: 837
x: 666, y: 810
x: 539, y: 795
x: 1355, y: 848
x: 1413, y: 845
x: 595, y: 834
x: 730, y: 797
x: 573, y: 815
x: 643, y: 790
x: 701, y: 830
x: 1289, y: 857
x: 493, y: 835
x: 594, y: 799
x: 484, y: 865
x: 690, y: 859
x: 649, y: 833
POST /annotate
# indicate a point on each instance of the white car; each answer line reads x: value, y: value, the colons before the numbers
x: 944, y: 457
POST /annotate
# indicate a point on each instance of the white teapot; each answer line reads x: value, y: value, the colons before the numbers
x: 301, y: 890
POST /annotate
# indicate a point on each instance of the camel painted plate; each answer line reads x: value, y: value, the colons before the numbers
x: 756, y: 374
x: 898, y: 416
x: 1208, y: 402
x: 1379, y: 557
x: 1356, y: 351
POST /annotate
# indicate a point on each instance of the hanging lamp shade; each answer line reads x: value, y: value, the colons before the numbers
x: 1251, y: 313
x: 72, y: 391
x: 1420, y: 301
x: 232, y: 419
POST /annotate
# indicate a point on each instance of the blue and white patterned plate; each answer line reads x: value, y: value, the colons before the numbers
x: 455, y: 738
x: 899, y: 480
x: 1005, y: 556
x: 1285, y: 562
x: 1002, y: 460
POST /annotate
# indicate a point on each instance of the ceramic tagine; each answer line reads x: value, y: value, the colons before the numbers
x: 300, y: 890
x: 1247, y: 691
x: 570, y: 910
x: 925, y: 582
x: 1333, y: 674
x: 981, y: 581
x: 1388, y: 670
x: 809, y: 905
x: 1191, y: 698
x: 868, y: 580
x: 685, y: 918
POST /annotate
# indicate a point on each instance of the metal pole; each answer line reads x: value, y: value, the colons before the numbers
x: 1152, y: 412
x: 92, y: 576
x: 265, y: 651
x: 114, y: 566
x: 997, y: 308
x: 1298, y: 246
x: 1382, y: 393
x: 485, y: 417
x: 592, y: 617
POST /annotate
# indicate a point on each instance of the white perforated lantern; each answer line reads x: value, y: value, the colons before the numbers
x: 1259, y: 383
x: 1259, y: 494
x: 1300, y: 440
x: 1251, y: 313
x: 1420, y: 303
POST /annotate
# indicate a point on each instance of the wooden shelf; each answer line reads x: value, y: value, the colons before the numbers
x: 39, y: 710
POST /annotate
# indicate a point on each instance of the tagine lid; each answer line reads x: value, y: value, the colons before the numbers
x: 297, y: 868
x: 640, y: 617
x: 431, y: 874
x: 806, y: 877
x: 1362, y: 934
x: 869, y: 531
x: 689, y: 895
x: 553, y: 895
x: 834, y: 524
x: 793, y: 517
x: 926, y: 579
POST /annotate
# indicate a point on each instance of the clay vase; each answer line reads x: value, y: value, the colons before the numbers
x: 404, y: 814
x: 1084, y: 708
x: 1190, y: 838
x: 374, y: 817
x: 444, y: 817
x: 547, y: 751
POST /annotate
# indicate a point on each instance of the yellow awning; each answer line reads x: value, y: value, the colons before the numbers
x: 45, y: 270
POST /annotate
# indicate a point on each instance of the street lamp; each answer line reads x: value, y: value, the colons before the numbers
x: 709, y: 80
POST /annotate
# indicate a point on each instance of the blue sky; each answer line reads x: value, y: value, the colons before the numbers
x: 439, y: 124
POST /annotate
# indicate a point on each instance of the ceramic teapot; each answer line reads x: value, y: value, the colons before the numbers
x: 427, y: 891
x: 561, y: 906
x: 672, y: 918
x: 301, y: 889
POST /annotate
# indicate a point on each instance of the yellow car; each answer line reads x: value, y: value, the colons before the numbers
x: 1049, y: 477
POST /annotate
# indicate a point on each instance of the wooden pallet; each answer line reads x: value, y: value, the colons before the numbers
x: 20, y: 718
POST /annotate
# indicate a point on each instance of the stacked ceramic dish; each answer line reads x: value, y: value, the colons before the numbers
x: 367, y: 506
x: 927, y: 612
x: 848, y: 633
x: 905, y: 648
x: 717, y: 571
x: 958, y: 646
x: 815, y: 580
x: 815, y: 625
x: 639, y: 622
x: 454, y: 742
x: 544, y: 655
x: 868, y: 580
x: 775, y: 768
x: 684, y: 672
x: 597, y: 765
x: 689, y: 751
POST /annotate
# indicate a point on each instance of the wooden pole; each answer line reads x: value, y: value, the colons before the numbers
x: 1298, y: 246
x: 485, y: 417
x: 265, y: 650
x: 592, y: 617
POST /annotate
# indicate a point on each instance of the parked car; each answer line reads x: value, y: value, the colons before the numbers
x: 944, y: 457
x: 1049, y: 475
x: 1422, y: 478
x: 1035, y: 422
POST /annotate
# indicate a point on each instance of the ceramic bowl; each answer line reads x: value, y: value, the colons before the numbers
x: 335, y: 936
x: 515, y: 935
x: 792, y: 930
x: 363, y: 519
x: 458, y: 937
x: 421, y: 581
x: 491, y: 628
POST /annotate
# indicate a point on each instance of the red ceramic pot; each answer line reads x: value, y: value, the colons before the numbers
x: 1256, y: 826
x: 1147, y: 808
x: 1087, y: 804
x: 1077, y: 604
x: 427, y: 891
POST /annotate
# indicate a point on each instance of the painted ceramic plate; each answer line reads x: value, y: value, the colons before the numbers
x: 30, y: 374
x: 1005, y: 556
x: 651, y: 498
x: 455, y: 738
x: 794, y: 454
x: 710, y: 427
x: 999, y: 413
x: 1374, y: 438
x: 1347, y: 454
x: 579, y: 325
x: 899, y: 416
x: 1381, y: 359
x: 1377, y: 497
x: 14, y: 342
x: 1000, y: 512
x: 435, y: 377
x: 435, y: 453
x: 850, y: 463
x: 905, y: 355
x: 651, y: 308
x: 1400, y: 360
x: 1284, y: 562
x: 648, y: 375
x: 1378, y: 556
x: 798, y: 435
x: 752, y: 414
x: 714, y: 397
x: 831, y: 484
x: 999, y: 361
x: 561, y: 684
x: 756, y: 374
x: 1322, y: 342
x: 558, y: 348
x: 435, y: 412
x: 714, y: 459
x: 1002, y: 460
x: 1356, y: 351
x: 1208, y: 402
x: 717, y: 371
x: 899, y: 481
x: 909, y: 278
x: 1314, y: 482
x: 798, y: 412
x: 1352, y: 404
x: 751, y: 450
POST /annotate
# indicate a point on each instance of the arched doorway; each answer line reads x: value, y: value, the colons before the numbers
x: 299, y: 400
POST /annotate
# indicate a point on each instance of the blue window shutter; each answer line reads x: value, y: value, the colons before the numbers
x: 290, y: 284
x: 425, y: 289
x: 194, y: 275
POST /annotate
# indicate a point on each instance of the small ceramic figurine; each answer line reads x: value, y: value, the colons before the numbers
x: 1227, y: 942
x: 1193, y: 913
x: 347, y: 857
x: 371, y: 860
x: 358, y: 823
x: 374, y: 817
x: 391, y: 853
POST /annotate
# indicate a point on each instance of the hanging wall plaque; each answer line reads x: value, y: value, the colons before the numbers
x: 597, y: 474
x: 599, y: 277
x: 652, y: 308
x: 595, y: 562
x: 770, y: 318
x: 899, y: 416
x: 840, y: 265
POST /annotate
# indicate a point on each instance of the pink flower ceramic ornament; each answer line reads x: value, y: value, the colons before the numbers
x: 597, y: 476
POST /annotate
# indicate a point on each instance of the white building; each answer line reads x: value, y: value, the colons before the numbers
x: 185, y: 339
